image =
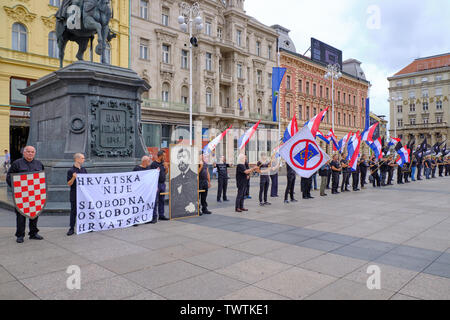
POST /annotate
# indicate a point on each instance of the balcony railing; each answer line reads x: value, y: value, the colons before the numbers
x: 426, y: 125
x: 166, y: 67
x: 263, y: 117
x: 226, y: 78
x: 228, y: 110
x: 170, y: 106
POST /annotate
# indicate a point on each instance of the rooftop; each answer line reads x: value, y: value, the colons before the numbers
x: 426, y: 63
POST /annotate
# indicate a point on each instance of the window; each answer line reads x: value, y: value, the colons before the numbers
x: 339, y: 96
x: 288, y: 110
x: 424, y: 79
x: 438, y: 92
x: 239, y: 71
x: 425, y: 106
x: 55, y: 3
x: 208, y: 61
x: 219, y: 33
x: 314, y: 112
x: 269, y: 81
x: 354, y: 100
x: 239, y: 38
x: 300, y: 112
x: 339, y: 118
x: 288, y: 82
x: 399, y: 109
x: 354, y: 121
x: 269, y: 52
x: 259, y: 77
x: 208, y: 97
x: 412, y: 95
x: 412, y: 81
x: 300, y: 86
x: 19, y: 37
x: 438, y: 119
x: 399, y: 83
x: 208, y: 28
x: 425, y: 93
x: 165, y: 53
x: 307, y: 87
x: 143, y: 49
x: 184, y: 59
x: 412, y: 107
x: 165, y: 16
x: 52, y: 45
x: 16, y: 97
x: 349, y: 120
x: 439, y: 78
x: 439, y: 105
x: 321, y: 91
x: 184, y: 95
x: 165, y: 93
x: 425, y: 120
x: 307, y: 112
x: 258, y: 48
x: 143, y: 9
x: 343, y: 118
x: 344, y: 97
x: 328, y: 92
x: 314, y: 89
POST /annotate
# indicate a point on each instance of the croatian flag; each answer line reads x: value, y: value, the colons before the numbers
x: 367, y: 135
x: 393, y: 141
x: 323, y: 137
x: 352, y: 144
x: 314, y: 123
x: 356, y: 144
x: 343, y: 142
x: 291, y: 129
x: 333, y: 139
x: 210, y: 147
x: 247, y: 136
x: 403, y: 156
x: 376, y: 146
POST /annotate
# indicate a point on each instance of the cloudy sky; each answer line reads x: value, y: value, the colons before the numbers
x: 385, y: 35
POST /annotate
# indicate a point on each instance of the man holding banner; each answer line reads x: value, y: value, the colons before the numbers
x: 163, y: 168
x: 72, y: 174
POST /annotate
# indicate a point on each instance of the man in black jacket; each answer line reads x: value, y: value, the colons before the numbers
x: 323, y: 173
x: 160, y: 163
x: 336, y: 171
x: 72, y: 173
x: 27, y: 164
x: 290, y: 184
x: 363, y: 168
x: 222, y: 171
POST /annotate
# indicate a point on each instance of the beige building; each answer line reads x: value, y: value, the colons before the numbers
x: 420, y: 105
x: 233, y: 60
x: 382, y: 126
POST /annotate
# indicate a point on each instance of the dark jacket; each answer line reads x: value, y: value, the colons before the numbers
x: 23, y: 166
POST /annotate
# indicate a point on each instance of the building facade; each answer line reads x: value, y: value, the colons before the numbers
x: 233, y: 61
x: 420, y: 100
x: 381, y: 129
x: 305, y: 92
x: 28, y: 51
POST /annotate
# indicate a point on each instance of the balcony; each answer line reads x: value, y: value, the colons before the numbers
x: 262, y: 117
x: 226, y: 110
x: 166, y: 67
x: 441, y: 125
x: 226, y: 78
x: 154, y: 104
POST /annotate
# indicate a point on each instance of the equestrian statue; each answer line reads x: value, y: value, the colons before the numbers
x: 79, y: 21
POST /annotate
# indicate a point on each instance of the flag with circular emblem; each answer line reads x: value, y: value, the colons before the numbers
x: 30, y: 193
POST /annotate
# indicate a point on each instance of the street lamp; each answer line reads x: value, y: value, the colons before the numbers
x: 333, y: 72
x: 190, y: 17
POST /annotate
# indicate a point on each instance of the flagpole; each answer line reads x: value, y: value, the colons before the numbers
x: 278, y: 96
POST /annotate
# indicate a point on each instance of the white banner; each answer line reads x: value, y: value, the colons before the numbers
x: 115, y: 200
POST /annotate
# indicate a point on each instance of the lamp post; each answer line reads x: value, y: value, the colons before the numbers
x: 333, y: 72
x: 187, y: 22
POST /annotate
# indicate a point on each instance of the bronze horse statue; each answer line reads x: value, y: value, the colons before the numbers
x: 79, y: 21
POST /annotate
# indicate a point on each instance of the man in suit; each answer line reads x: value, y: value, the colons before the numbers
x: 184, y: 187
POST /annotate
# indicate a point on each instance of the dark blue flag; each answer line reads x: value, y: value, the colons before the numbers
x: 277, y: 77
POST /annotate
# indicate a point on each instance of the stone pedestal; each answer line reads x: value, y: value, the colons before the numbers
x: 89, y: 108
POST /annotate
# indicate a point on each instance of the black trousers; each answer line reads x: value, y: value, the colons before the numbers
x: 433, y: 172
x: 159, y: 201
x: 203, y: 195
x: 247, y: 188
x: 345, y: 180
x: 222, y: 188
x: 328, y: 179
x: 335, y: 183
x: 290, y: 188
x: 363, y: 176
x: 274, y: 188
x: 240, y: 196
x: 263, y: 188
x: 73, y: 214
x: 441, y: 170
x: 355, y: 180
x: 399, y: 176
x: 376, y: 179
x: 20, y: 226
x: 306, y: 185
x: 390, y: 176
x: 419, y: 172
x: 406, y: 176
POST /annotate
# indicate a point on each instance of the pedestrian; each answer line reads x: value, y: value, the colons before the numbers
x: 373, y: 166
x: 247, y: 190
x: 323, y: 173
x: 391, y: 168
x: 242, y: 176
x: 433, y: 167
x: 447, y: 166
x: 336, y: 171
x: 291, y: 175
x: 419, y: 168
x: 160, y: 164
x: 406, y: 172
x: 329, y: 178
x: 306, y: 186
x: 222, y: 181
x: 427, y: 167
x: 345, y: 174
x: 7, y: 162
x: 72, y: 174
x: 145, y: 165
x: 204, y: 182
x: 355, y: 177
x: 274, y: 167
x: 27, y: 164
x: 440, y: 164
x: 264, y: 180
x: 413, y: 168
x: 363, y: 169
x: 384, y: 168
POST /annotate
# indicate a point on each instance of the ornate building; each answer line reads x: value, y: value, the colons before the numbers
x: 305, y: 92
x: 28, y: 51
x: 233, y: 60
x: 420, y: 95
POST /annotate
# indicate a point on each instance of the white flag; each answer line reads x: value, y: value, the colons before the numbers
x: 303, y: 153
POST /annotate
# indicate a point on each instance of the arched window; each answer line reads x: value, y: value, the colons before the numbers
x: 208, y: 97
x: 184, y: 95
x: 259, y: 105
x: 53, y: 51
x: 19, y: 37
x: 165, y: 93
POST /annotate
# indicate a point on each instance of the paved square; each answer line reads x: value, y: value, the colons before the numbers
x: 315, y: 249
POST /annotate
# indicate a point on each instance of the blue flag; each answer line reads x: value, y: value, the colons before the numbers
x: 277, y: 77
x: 367, y: 114
x: 240, y: 104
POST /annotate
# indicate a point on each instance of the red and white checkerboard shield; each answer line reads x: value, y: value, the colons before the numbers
x: 30, y: 193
